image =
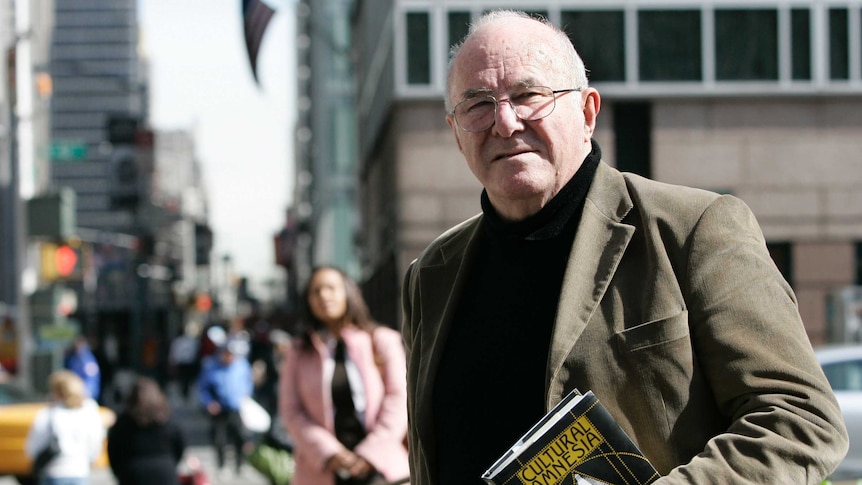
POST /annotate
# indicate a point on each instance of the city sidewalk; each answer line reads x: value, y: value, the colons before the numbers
x: 205, y: 454
x: 196, y: 428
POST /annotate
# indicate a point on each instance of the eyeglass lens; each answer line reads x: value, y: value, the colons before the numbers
x: 529, y: 104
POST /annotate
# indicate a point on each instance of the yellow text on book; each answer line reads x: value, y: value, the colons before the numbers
x: 551, y: 465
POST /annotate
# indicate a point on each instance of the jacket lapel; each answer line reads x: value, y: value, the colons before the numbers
x: 442, y: 279
x: 599, y: 244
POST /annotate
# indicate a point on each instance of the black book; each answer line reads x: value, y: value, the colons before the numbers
x: 577, y: 443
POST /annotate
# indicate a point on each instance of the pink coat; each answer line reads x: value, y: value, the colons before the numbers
x: 305, y: 404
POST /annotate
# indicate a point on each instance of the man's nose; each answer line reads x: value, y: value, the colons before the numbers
x: 506, y: 120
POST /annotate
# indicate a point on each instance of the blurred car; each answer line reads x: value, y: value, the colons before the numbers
x: 17, y: 410
x: 842, y: 365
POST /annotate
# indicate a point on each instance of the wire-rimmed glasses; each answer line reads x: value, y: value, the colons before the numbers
x: 530, y: 103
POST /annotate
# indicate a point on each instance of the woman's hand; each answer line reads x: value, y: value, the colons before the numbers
x: 341, y: 462
x: 346, y: 463
x: 360, y: 468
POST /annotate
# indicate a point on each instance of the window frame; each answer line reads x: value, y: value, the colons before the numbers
x: 818, y: 83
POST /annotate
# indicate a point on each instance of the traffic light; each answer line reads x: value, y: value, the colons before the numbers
x: 60, y: 262
x: 125, y: 188
x: 50, y: 308
x: 121, y: 129
x: 203, y: 244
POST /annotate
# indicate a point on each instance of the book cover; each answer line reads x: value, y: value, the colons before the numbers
x: 577, y: 442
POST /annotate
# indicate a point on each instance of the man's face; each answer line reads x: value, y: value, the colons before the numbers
x: 226, y: 356
x: 521, y: 164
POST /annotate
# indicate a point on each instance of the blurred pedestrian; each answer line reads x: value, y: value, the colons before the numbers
x: 342, y: 389
x: 73, y: 418
x: 81, y: 360
x: 106, y: 370
x: 183, y: 357
x: 224, y: 381
x: 145, y: 445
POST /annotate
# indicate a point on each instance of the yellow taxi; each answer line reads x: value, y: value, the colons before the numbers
x: 18, y: 408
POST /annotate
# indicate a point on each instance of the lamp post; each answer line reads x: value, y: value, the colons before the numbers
x: 13, y: 187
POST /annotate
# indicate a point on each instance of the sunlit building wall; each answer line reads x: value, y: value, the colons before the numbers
x: 326, y: 138
x: 9, y: 198
x: 25, y: 41
x: 179, y: 190
x: 762, y: 100
x: 98, y: 76
x: 104, y: 150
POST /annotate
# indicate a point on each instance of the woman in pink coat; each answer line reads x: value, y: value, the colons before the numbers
x: 344, y: 362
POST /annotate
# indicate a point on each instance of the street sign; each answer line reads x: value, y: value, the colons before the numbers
x: 69, y: 150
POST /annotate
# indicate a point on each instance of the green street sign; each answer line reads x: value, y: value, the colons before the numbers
x: 58, y: 331
x: 64, y: 151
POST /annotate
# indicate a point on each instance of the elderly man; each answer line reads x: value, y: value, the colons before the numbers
x: 661, y: 299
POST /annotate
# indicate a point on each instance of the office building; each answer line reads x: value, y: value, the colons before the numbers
x: 760, y: 99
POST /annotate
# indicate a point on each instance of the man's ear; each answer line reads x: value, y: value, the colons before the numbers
x: 592, y: 105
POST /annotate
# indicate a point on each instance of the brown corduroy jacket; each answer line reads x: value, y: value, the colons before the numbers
x: 674, y: 314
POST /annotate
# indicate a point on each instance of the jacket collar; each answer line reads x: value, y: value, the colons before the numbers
x: 600, y: 242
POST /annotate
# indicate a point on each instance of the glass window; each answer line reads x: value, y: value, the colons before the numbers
x: 746, y: 44
x: 633, y: 142
x: 844, y: 376
x: 538, y: 13
x: 859, y: 263
x: 669, y: 45
x: 459, y: 24
x: 800, y: 43
x: 532, y: 13
x: 418, y: 48
x: 839, y: 67
x: 782, y: 254
x: 599, y: 37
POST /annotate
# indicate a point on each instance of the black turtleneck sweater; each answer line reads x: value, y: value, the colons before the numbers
x: 490, y: 385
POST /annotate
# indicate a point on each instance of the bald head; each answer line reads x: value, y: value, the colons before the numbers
x: 521, y: 33
x: 539, y: 132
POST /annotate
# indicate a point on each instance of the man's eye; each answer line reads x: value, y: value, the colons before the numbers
x: 526, y: 95
x: 479, y: 105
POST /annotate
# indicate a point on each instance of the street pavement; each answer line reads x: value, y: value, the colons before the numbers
x: 196, y: 428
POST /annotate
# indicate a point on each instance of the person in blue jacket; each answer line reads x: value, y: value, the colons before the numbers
x: 225, y: 380
x: 82, y: 361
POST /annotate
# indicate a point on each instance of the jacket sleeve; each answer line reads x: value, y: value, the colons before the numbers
x: 178, y: 441
x: 311, y: 439
x: 37, y: 436
x: 96, y: 429
x: 391, y: 425
x: 118, y: 455
x: 204, y: 384
x: 748, y: 337
x: 418, y: 462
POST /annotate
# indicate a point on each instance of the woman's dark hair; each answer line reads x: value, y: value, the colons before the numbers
x: 147, y: 404
x: 356, y: 312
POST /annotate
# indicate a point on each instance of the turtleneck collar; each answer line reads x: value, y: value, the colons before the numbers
x: 554, y: 216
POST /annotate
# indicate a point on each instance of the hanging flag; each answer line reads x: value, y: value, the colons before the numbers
x: 256, y: 16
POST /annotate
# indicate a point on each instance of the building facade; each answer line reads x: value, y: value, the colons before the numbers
x: 140, y: 227
x: 760, y: 99
x: 99, y: 104
x: 25, y: 94
x: 325, y: 143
